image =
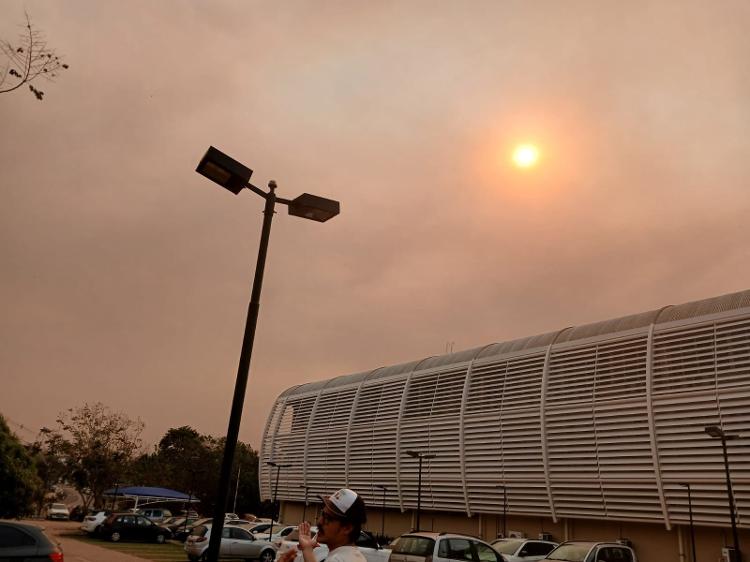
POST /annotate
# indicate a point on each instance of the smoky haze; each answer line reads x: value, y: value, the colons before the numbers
x: 126, y: 275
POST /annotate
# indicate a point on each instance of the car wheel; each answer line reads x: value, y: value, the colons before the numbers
x: 115, y: 536
x: 160, y: 539
x: 267, y: 556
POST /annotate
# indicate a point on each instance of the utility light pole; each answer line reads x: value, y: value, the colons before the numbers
x: 382, y: 524
x: 278, y: 467
x: 420, y: 455
x: 690, y: 514
x: 717, y: 432
x: 234, y: 176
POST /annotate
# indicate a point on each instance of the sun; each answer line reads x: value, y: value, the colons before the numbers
x: 526, y: 155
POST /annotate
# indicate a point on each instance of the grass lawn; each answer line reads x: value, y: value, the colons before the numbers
x: 167, y: 552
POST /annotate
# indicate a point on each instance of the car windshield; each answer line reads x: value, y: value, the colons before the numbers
x: 507, y: 546
x: 570, y: 552
x: 419, y: 546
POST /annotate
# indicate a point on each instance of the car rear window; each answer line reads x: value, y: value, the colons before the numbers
x: 10, y: 536
x: 199, y: 531
x: 418, y: 546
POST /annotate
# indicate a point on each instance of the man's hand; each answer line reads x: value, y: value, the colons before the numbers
x: 306, y: 542
x: 288, y: 556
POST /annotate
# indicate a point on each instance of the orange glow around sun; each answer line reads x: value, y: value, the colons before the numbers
x: 525, y: 155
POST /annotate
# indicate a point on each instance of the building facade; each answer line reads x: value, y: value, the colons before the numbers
x: 597, y: 426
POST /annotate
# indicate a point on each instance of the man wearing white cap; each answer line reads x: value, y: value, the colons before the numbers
x: 339, y: 526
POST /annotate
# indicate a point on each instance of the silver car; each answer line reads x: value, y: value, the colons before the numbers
x: 236, y: 542
x: 523, y: 550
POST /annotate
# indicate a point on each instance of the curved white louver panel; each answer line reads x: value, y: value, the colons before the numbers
x: 599, y: 422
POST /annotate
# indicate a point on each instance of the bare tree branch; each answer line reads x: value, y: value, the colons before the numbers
x: 28, y: 61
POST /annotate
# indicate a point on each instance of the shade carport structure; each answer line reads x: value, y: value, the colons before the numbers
x: 146, y: 495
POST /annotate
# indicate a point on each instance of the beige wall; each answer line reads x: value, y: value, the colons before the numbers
x: 652, y: 542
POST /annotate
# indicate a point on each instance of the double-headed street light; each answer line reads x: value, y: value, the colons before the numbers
x: 278, y: 466
x: 717, y: 432
x: 231, y: 175
x: 420, y: 455
x: 690, y: 514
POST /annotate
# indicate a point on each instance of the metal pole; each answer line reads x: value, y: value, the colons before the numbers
x: 730, y: 493
x: 273, y: 506
x: 692, y: 529
x: 236, y: 490
x: 187, y: 511
x: 382, y: 524
x: 505, y: 513
x: 419, y: 490
x: 114, y: 498
x: 240, y: 386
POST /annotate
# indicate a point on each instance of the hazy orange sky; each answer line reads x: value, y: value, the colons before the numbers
x: 126, y: 275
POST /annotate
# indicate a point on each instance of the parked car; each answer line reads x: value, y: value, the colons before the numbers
x: 291, y: 540
x: 522, y: 550
x: 156, y: 514
x: 58, y: 511
x: 279, y: 531
x: 585, y: 551
x: 367, y: 544
x: 176, y: 524
x: 132, y: 526
x: 236, y: 542
x: 181, y: 534
x: 92, y: 521
x: 441, y: 547
x: 23, y: 542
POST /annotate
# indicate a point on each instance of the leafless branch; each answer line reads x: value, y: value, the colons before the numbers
x: 31, y: 59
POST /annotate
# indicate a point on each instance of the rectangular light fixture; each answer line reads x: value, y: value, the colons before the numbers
x: 224, y: 170
x: 314, y: 208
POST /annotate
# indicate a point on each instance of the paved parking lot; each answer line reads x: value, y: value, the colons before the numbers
x: 76, y: 550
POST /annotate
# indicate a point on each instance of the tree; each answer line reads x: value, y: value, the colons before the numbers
x: 19, y: 482
x: 187, y: 461
x: 28, y: 60
x: 95, y: 445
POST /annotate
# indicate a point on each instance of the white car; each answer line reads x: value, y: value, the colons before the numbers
x: 279, y: 532
x: 523, y: 550
x: 368, y: 546
x: 236, y: 542
x: 92, y: 521
x: 58, y: 511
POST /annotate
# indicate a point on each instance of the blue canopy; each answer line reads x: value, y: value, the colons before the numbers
x: 150, y: 494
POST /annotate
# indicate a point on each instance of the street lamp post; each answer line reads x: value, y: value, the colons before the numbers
x: 230, y: 174
x: 382, y: 523
x: 505, y: 509
x: 420, y: 455
x: 278, y: 467
x: 114, y: 498
x: 717, y: 432
x: 690, y: 514
x: 304, y: 507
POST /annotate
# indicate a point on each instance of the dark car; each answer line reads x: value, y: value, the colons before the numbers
x: 134, y: 527
x: 19, y: 541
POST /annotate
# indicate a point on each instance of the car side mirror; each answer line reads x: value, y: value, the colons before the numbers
x: 523, y: 553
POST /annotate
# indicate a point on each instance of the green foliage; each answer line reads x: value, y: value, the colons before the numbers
x: 187, y: 461
x: 19, y: 483
x: 95, y: 447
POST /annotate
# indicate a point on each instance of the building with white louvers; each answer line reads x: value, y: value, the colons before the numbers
x: 601, y: 422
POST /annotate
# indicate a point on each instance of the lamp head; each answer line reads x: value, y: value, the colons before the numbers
x: 714, y: 431
x: 314, y: 208
x: 223, y: 170
x: 413, y: 454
